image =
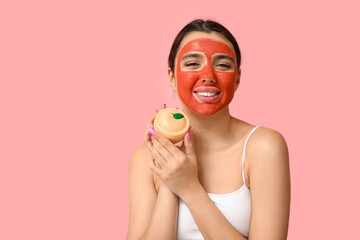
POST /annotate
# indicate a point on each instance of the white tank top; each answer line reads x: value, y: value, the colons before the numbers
x: 235, y: 206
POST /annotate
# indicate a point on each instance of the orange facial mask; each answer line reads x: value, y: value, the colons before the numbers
x: 207, y: 89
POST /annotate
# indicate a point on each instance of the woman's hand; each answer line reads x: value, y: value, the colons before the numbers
x: 150, y: 131
x: 148, y: 143
x: 176, y: 168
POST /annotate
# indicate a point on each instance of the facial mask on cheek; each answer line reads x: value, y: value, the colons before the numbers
x: 204, y: 101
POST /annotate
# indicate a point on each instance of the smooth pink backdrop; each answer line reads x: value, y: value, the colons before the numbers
x: 79, y: 80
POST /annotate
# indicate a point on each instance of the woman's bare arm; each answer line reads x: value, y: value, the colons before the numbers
x: 269, y: 176
x: 151, y: 216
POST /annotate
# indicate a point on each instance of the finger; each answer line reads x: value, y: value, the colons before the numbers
x: 152, y: 118
x: 154, y: 168
x: 147, y: 141
x: 163, y: 106
x: 171, y: 147
x: 150, y: 124
x: 147, y: 135
x: 149, y: 129
x: 163, y: 152
x: 156, y: 164
x: 189, y: 147
x: 158, y: 158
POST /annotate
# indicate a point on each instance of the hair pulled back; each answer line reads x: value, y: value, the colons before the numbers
x: 206, y: 26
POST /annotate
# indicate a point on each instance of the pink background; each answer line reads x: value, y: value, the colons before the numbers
x: 79, y: 80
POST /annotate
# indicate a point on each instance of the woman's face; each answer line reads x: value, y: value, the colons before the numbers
x: 205, y: 72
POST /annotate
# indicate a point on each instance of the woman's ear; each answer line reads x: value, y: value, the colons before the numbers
x: 172, y: 80
x: 237, y: 83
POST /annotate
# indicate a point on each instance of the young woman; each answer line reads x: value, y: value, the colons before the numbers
x: 209, y: 188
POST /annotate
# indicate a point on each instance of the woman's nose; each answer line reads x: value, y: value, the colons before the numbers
x: 208, y: 81
x: 207, y: 75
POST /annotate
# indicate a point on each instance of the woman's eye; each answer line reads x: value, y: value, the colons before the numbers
x: 223, y: 65
x: 192, y: 64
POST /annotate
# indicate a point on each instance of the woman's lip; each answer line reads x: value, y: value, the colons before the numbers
x: 207, y: 89
x: 205, y: 99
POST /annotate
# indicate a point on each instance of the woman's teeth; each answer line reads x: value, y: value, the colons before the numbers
x: 206, y: 94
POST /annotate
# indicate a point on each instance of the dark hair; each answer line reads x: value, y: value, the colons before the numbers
x: 202, y: 26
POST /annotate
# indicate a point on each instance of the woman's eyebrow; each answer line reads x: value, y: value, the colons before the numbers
x: 221, y: 56
x: 191, y: 55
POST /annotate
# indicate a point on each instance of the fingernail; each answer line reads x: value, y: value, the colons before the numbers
x: 152, y: 132
x: 188, y: 136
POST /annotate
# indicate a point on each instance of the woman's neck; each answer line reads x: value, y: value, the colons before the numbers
x: 214, y: 130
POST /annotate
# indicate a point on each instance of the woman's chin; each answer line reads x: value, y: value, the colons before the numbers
x: 206, y: 111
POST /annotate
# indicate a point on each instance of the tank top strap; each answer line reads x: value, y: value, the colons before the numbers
x: 243, y: 155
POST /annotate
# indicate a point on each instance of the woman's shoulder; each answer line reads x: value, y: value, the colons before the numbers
x: 262, y: 140
x: 140, y: 163
x: 267, y: 147
x: 140, y: 156
x: 267, y: 139
x: 140, y: 151
x: 261, y: 136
